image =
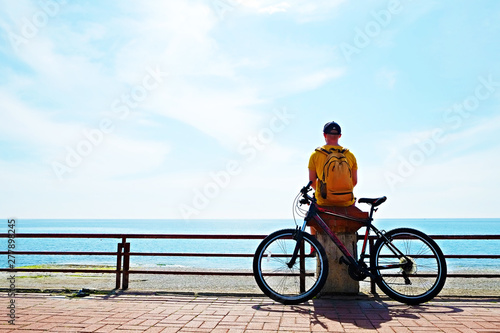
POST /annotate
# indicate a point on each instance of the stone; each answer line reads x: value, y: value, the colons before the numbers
x: 338, y: 280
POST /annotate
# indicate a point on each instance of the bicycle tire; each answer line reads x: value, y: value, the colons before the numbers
x: 425, y: 275
x: 277, y: 280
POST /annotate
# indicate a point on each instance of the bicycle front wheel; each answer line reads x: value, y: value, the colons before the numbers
x: 414, y: 279
x: 290, y: 285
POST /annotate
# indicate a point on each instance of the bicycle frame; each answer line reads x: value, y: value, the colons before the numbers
x: 313, y: 213
x: 298, y: 276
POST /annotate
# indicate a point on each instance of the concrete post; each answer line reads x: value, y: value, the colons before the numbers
x: 339, y: 281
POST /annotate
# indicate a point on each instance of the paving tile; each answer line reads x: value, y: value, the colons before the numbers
x: 107, y: 328
x: 67, y: 328
x: 170, y: 329
x: 154, y: 330
x: 150, y: 313
x: 5, y: 328
x: 40, y: 326
x: 91, y: 328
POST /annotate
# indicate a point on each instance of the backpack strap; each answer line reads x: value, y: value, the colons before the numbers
x: 322, y: 150
x: 328, y: 152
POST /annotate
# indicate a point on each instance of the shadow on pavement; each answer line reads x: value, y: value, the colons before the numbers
x: 332, y: 314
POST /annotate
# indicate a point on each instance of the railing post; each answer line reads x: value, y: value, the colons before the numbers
x: 118, y: 265
x: 373, y: 288
x: 126, y: 263
x: 302, y: 268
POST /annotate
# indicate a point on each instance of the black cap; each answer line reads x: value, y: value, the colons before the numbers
x: 331, y: 128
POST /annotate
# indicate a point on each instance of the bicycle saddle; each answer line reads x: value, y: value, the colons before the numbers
x: 374, y: 202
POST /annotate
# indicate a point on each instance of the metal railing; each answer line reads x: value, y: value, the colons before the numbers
x: 123, y: 254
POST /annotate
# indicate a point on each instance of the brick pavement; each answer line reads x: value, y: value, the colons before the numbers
x: 178, y: 313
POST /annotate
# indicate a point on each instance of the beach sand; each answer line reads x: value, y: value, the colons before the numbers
x: 193, y: 284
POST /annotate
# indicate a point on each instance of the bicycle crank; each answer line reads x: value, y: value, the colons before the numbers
x: 356, y: 274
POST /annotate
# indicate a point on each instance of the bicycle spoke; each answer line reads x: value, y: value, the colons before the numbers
x: 294, y: 284
x: 420, y: 274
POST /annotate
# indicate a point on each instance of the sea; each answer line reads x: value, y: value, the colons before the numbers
x: 225, y: 227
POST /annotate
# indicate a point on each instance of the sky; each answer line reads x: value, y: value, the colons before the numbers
x: 210, y: 109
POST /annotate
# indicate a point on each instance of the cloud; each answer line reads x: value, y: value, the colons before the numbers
x: 20, y: 122
x: 223, y: 115
x: 116, y: 157
x: 98, y: 154
x: 208, y: 86
x: 311, y: 80
x: 33, y: 193
x: 269, y: 180
x: 455, y: 187
x: 176, y: 37
x: 448, y: 169
x: 444, y: 141
x: 474, y: 134
x: 276, y: 8
x: 301, y: 10
x: 65, y: 81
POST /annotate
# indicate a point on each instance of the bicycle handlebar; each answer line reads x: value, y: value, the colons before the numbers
x: 306, y: 198
x: 306, y: 188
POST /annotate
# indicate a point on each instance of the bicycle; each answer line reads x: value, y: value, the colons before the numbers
x: 290, y: 265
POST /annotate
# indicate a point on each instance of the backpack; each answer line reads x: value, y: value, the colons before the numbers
x: 335, y: 185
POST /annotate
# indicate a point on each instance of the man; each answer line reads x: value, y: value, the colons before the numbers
x: 333, y: 171
x: 332, y: 134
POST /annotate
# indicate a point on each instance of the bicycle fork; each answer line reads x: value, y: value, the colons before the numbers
x: 298, y: 247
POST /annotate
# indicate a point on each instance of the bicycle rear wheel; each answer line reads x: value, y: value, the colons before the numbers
x: 290, y: 285
x: 416, y: 280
